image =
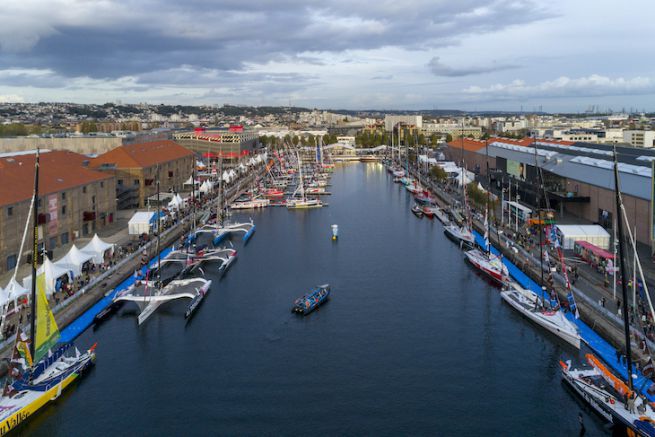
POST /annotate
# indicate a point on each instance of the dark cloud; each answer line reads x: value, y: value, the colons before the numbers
x: 438, y: 68
x: 142, y: 38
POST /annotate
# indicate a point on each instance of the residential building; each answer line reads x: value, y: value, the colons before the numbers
x: 639, y: 138
x: 391, y: 121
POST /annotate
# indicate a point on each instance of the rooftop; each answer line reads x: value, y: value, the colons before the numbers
x: 59, y: 170
x: 141, y: 155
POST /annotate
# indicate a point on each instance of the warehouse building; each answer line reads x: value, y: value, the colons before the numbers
x: 136, y: 166
x: 74, y: 201
x: 578, y: 177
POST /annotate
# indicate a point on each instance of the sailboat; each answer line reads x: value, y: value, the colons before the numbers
x: 611, y: 397
x: 542, y: 310
x: 303, y: 202
x: 151, y: 294
x: 40, y: 368
x: 461, y: 235
x: 486, y: 262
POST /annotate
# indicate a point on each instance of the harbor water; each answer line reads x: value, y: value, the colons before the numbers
x: 411, y: 342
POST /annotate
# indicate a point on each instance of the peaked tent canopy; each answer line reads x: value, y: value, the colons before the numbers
x: 98, y: 248
x: 75, y: 259
x: 15, y: 290
x: 52, y: 273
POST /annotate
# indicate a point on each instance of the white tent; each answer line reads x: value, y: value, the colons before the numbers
x: 594, y: 234
x: 233, y: 174
x: 140, y: 223
x: 97, y: 248
x: 225, y: 176
x: 14, y: 291
x: 206, y: 187
x: 52, y: 273
x: 176, y: 202
x: 4, y: 297
x: 75, y: 259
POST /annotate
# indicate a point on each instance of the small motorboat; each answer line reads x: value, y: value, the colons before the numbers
x: 107, y: 311
x: 309, y: 302
x: 427, y: 211
x: 418, y: 212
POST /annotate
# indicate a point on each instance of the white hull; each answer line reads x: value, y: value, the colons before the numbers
x: 460, y: 235
x: 553, y: 321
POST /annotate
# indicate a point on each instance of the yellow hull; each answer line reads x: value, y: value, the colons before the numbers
x: 305, y: 207
x: 20, y: 416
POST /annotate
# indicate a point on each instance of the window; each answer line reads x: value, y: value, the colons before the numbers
x: 10, y: 211
x: 85, y: 229
x: 52, y: 243
x: 136, y: 182
x: 84, y: 189
x: 119, y: 182
x: 170, y: 174
x: 63, y: 195
x: 102, y: 184
x: 11, y: 262
x: 63, y: 210
x: 39, y: 202
x: 93, y: 200
x: 64, y: 238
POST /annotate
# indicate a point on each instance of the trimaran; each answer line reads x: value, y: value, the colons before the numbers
x: 151, y: 294
x: 40, y: 368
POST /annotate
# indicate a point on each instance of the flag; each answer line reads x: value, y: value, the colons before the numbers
x: 572, y: 305
x: 486, y: 232
x: 553, y: 237
x: 24, y: 352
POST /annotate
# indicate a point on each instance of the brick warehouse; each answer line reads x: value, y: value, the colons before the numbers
x: 74, y: 200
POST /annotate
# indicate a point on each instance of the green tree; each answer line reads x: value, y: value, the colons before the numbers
x: 434, y: 139
x: 449, y: 138
x: 303, y: 141
x: 287, y: 139
x: 88, y: 127
x: 421, y: 140
x: 263, y: 140
x: 311, y: 140
x: 438, y: 173
x: 295, y: 140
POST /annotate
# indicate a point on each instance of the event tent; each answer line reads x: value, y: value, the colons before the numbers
x: 14, y: 291
x: 140, y: 223
x: 74, y: 260
x: 97, y: 248
x: 52, y: 273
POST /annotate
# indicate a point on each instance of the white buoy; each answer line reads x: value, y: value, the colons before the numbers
x: 335, y: 232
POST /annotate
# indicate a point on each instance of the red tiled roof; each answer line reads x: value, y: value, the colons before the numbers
x: 59, y: 170
x: 142, y: 155
x: 470, y: 145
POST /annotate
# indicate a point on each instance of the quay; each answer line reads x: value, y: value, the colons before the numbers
x: 75, y: 314
x: 599, y: 328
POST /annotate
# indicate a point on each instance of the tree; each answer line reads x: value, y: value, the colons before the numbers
x: 287, y: 139
x: 88, y: 126
x: 264, y: 140
x: 326, y: 139
x: 438, y: 173
x: 311, y: 140
x: 295, y: 140
x: 421, y: 140
x: 303, y: 141
x: 449, y: 138
x: 434, y: 139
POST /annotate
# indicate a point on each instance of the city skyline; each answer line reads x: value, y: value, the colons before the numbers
x: 473, y: 55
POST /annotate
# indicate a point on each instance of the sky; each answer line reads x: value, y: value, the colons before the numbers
x: 555, y: 55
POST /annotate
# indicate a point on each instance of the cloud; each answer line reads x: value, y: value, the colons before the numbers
x: 590, y: 86
x: 113, y: 38
x: 11, y: 98
x: 438, y: 68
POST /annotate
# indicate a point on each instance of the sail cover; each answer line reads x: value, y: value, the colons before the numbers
x: 47, y: 333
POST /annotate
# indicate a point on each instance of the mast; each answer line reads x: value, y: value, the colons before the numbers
x: 539, y: 213
x: 488, y: 218
x: 624, y: 288
x: 193, y: 192
x: 35, y: 256
x: 219, y: 198
x: 158, y: 234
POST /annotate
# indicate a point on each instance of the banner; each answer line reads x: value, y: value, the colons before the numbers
x: 52, y: 212
x: 516, y: 169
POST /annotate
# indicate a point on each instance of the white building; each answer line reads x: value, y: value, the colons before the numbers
x: 639, y: 138
x: 390, y: 121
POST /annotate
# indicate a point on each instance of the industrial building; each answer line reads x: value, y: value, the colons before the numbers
x: 578, y: 177
x: 228, y: 143
x: 74, y: 201
x: 136, y: 167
